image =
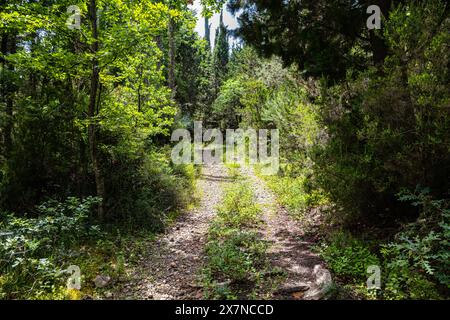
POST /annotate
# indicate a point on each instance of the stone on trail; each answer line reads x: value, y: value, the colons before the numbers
x: 102, y: 281
x: 323, y: 283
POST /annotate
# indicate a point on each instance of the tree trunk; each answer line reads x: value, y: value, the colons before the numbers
x: 92, y: 112
x: 3, y: 48
x: 171, y: 75
x: 8, y: 46
x: 378, y: 45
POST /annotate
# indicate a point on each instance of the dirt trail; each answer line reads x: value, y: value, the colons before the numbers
x: 289, y: 249
x: 172, y: 267
x: 175, y: 259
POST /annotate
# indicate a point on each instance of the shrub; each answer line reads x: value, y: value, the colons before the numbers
x: 238, y: 207
x: 146, y: 191
x: 32, y: 249
x: 419, y: 257
x: 236, y: 256
x: 388, y: 129
x: 296, y: 193
x: 347, y: 257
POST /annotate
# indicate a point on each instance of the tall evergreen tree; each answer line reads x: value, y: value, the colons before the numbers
x: 221, y: 54
x: 208, y: 32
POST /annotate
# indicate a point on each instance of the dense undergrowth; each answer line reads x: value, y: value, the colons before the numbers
x: 364, y: 152
x: 35, y: 253
x: 413, y: 260
x: 86, y: 114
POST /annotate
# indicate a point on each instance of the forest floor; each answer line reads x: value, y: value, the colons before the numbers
x: 172, y: 267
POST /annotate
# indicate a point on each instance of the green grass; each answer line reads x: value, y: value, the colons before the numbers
x: 236, y: 254
x: 347, y: 257
x: 294, y: 193
x: 233, y: 170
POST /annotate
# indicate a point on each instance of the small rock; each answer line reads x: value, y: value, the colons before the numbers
x: 223, y: 285
x: 102, y: 281
x: 173, y: 264
x: 108, y: 295
x: 323, y: 283
x: 323, y: 276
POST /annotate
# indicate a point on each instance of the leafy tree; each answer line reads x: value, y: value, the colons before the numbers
x: 85, y: 99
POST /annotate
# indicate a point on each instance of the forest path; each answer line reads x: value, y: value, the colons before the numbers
x: 172, y: 268
x: 289, y: 247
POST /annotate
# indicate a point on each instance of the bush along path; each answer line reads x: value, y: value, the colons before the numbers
x: 237, y: 244
x: 172, y: 266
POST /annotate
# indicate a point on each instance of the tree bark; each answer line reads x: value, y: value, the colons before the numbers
x: 8, y: 46
x: 171, y: 75
x: 378, y: 45
x: 92, y: 112
x: 3, y: 48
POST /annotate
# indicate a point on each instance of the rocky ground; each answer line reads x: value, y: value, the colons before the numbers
x: 290, y: 249
x: 175, y: 259
x: 172, y: 268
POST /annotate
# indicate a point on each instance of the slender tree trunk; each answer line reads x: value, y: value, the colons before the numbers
x: 139, y: 89
x: 160, y: 45
x: 3, y: 48
x: 8, y: 46
x: 95, y: 79
x: 171, y: 76
x: 379, y: 47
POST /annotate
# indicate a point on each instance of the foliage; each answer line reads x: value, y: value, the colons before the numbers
x: 347, y: 256
x: 387, y: 130
x: 155, y: 189
x: 238, y: 208
x: 260, y: 93
x: 194, y: 75
x: 235, y: 252
x: 413, y: 266
x: 32, y: 248
x: 56, y: 144
x: 321, y: 37
x: 53, y: 89
x: 86, y: 114
x: 221, y: 53
x: 296, y: 194
x: 420, y: 253
x: 236, y: 258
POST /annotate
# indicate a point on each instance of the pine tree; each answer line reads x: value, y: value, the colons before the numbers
x: 208, y: 32
x: 221, y: 54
